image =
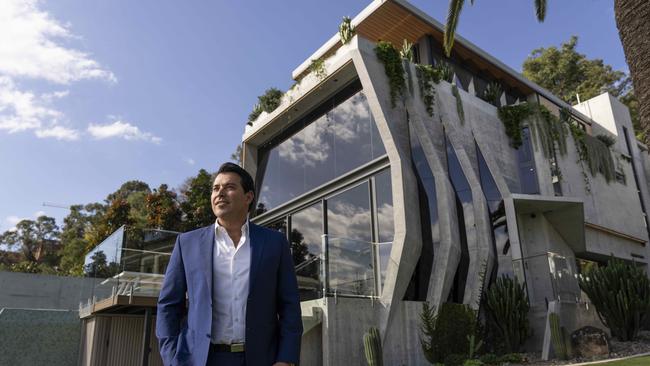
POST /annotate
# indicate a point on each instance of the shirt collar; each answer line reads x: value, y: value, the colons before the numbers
x: 244, y: 228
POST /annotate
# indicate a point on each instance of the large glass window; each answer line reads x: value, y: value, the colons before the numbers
x: 306, y: 248
x: 334, y: 140
x: 463, y: 201
x: 358, y: 222
x: 527, y: 175
x: 385, y: 222
x: 350, y: 242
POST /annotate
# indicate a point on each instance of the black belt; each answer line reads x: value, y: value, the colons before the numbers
x: 235, y: 347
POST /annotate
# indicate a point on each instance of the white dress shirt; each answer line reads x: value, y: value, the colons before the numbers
x: 230, y: 272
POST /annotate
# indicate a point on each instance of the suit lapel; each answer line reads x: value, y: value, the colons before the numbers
x: 207, y: 254
x: 257, y: 246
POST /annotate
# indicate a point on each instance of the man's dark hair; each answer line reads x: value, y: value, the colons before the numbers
x: 247, y: 182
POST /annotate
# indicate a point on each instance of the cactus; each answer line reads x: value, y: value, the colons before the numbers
x: 507, y: 309
x: 372, y: 347
x: 621, y: 294
x: 561, y: 340
x: 473, y: 346
x: 346, y: 30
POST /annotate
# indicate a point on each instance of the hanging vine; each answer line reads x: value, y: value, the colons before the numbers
x: 512, y: 117
x: 317, y: 66
x: 459, y: 103
x: 393, y: 68
x: 549, y: 131
x: 427, y: 77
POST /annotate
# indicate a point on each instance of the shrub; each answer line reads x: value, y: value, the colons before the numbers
x: 511, y: 358
x: 455, y: 359
x: 507, y: 310
x: 621, y: 294
x: 267, y: 102
x: 473, y: 363
x: 490, y: 359
x: 447, y: 332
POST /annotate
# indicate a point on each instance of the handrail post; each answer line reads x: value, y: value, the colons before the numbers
x: 325, y: 264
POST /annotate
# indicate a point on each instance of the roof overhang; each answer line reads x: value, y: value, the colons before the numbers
x: 565, y: 214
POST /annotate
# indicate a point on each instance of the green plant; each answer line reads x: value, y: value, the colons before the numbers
x: 473, y: 346
x: 594, y: 153
x: 266, y: 102
x: 561, y: 340
x: 447, y: 332
x: 346, y: 30
x: 455, y: 359
x: 372, y: 347
x: 427, y: 76
x: 459, y: 104
x: 445, y: 71
x: 511, y: 358
x: 507, y: 310
x: 473, y: 363
x: 608, y: 140
x: 393, y: 68
x: 492, y: 93
x: 317, y: 66
x: 490, y: 359
x: 407, y: 51
x: 512, y: 117
x: 621, y: 294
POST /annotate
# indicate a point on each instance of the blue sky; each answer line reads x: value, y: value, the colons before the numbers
x: 95, y: 93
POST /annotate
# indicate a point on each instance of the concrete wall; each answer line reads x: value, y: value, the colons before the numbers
x: 39, y: 337
x: 37, y: 291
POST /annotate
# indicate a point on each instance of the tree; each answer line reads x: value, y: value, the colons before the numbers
x: 38, y: 240
x: 163, y: 210
x: 74, y: 245
x: 453, y: 13
x: 633, y: 29
x: 236, y: 156
x: 117, y: 215
x: 135, y: 193
x: 195, y: 201
x: 632, y: 20
x: 565, y: 73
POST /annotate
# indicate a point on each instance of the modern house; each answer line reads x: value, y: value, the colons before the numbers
x: 391, y: 199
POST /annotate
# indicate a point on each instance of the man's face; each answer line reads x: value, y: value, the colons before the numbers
x: 228, y: 198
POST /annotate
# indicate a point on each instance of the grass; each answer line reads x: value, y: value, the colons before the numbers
x: 638, y: 361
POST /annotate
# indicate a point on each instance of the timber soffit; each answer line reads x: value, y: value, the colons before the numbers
x: 395, y: 20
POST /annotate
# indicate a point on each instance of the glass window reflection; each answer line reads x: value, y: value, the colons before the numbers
x: 306, y: 248
x: 385, y: 224
x: 350, y: 242
x: 340, y: 139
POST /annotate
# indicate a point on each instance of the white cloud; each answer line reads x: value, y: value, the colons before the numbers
x: 10, y: 222
x: 190, y: 161
x: 59, y: 133
x: 120, y: 129
x: 32, y: 48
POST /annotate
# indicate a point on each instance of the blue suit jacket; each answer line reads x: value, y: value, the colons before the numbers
x: 273, y: 319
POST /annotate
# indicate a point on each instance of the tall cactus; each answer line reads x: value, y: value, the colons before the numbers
x: 507, y: 308
x: 621, y: 294
x: 372, y: 347
x: 561, y: 340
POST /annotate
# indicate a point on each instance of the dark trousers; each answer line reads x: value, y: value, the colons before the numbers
x: 226, y: 359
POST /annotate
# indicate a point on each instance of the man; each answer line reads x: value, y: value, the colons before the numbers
x: 242, y: 294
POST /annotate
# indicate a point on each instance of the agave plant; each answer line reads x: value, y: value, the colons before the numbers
x: 346, y: 30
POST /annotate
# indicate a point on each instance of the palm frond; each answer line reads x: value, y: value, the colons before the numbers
x: 540, y: 9
x: 455, y: 6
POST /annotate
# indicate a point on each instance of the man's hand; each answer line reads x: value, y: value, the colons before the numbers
x: 282, y: 364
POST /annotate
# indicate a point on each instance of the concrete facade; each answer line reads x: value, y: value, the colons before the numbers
x: 567, y: 216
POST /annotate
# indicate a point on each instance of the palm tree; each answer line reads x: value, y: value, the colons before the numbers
x: 455, y: 6
x: 633, y: 22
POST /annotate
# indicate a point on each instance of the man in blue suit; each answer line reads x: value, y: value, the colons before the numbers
x: 242, y: 305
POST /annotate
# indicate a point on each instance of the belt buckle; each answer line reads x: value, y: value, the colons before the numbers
x: 237, y: 347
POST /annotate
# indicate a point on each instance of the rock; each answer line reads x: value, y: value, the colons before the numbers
x: 589, y: 342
